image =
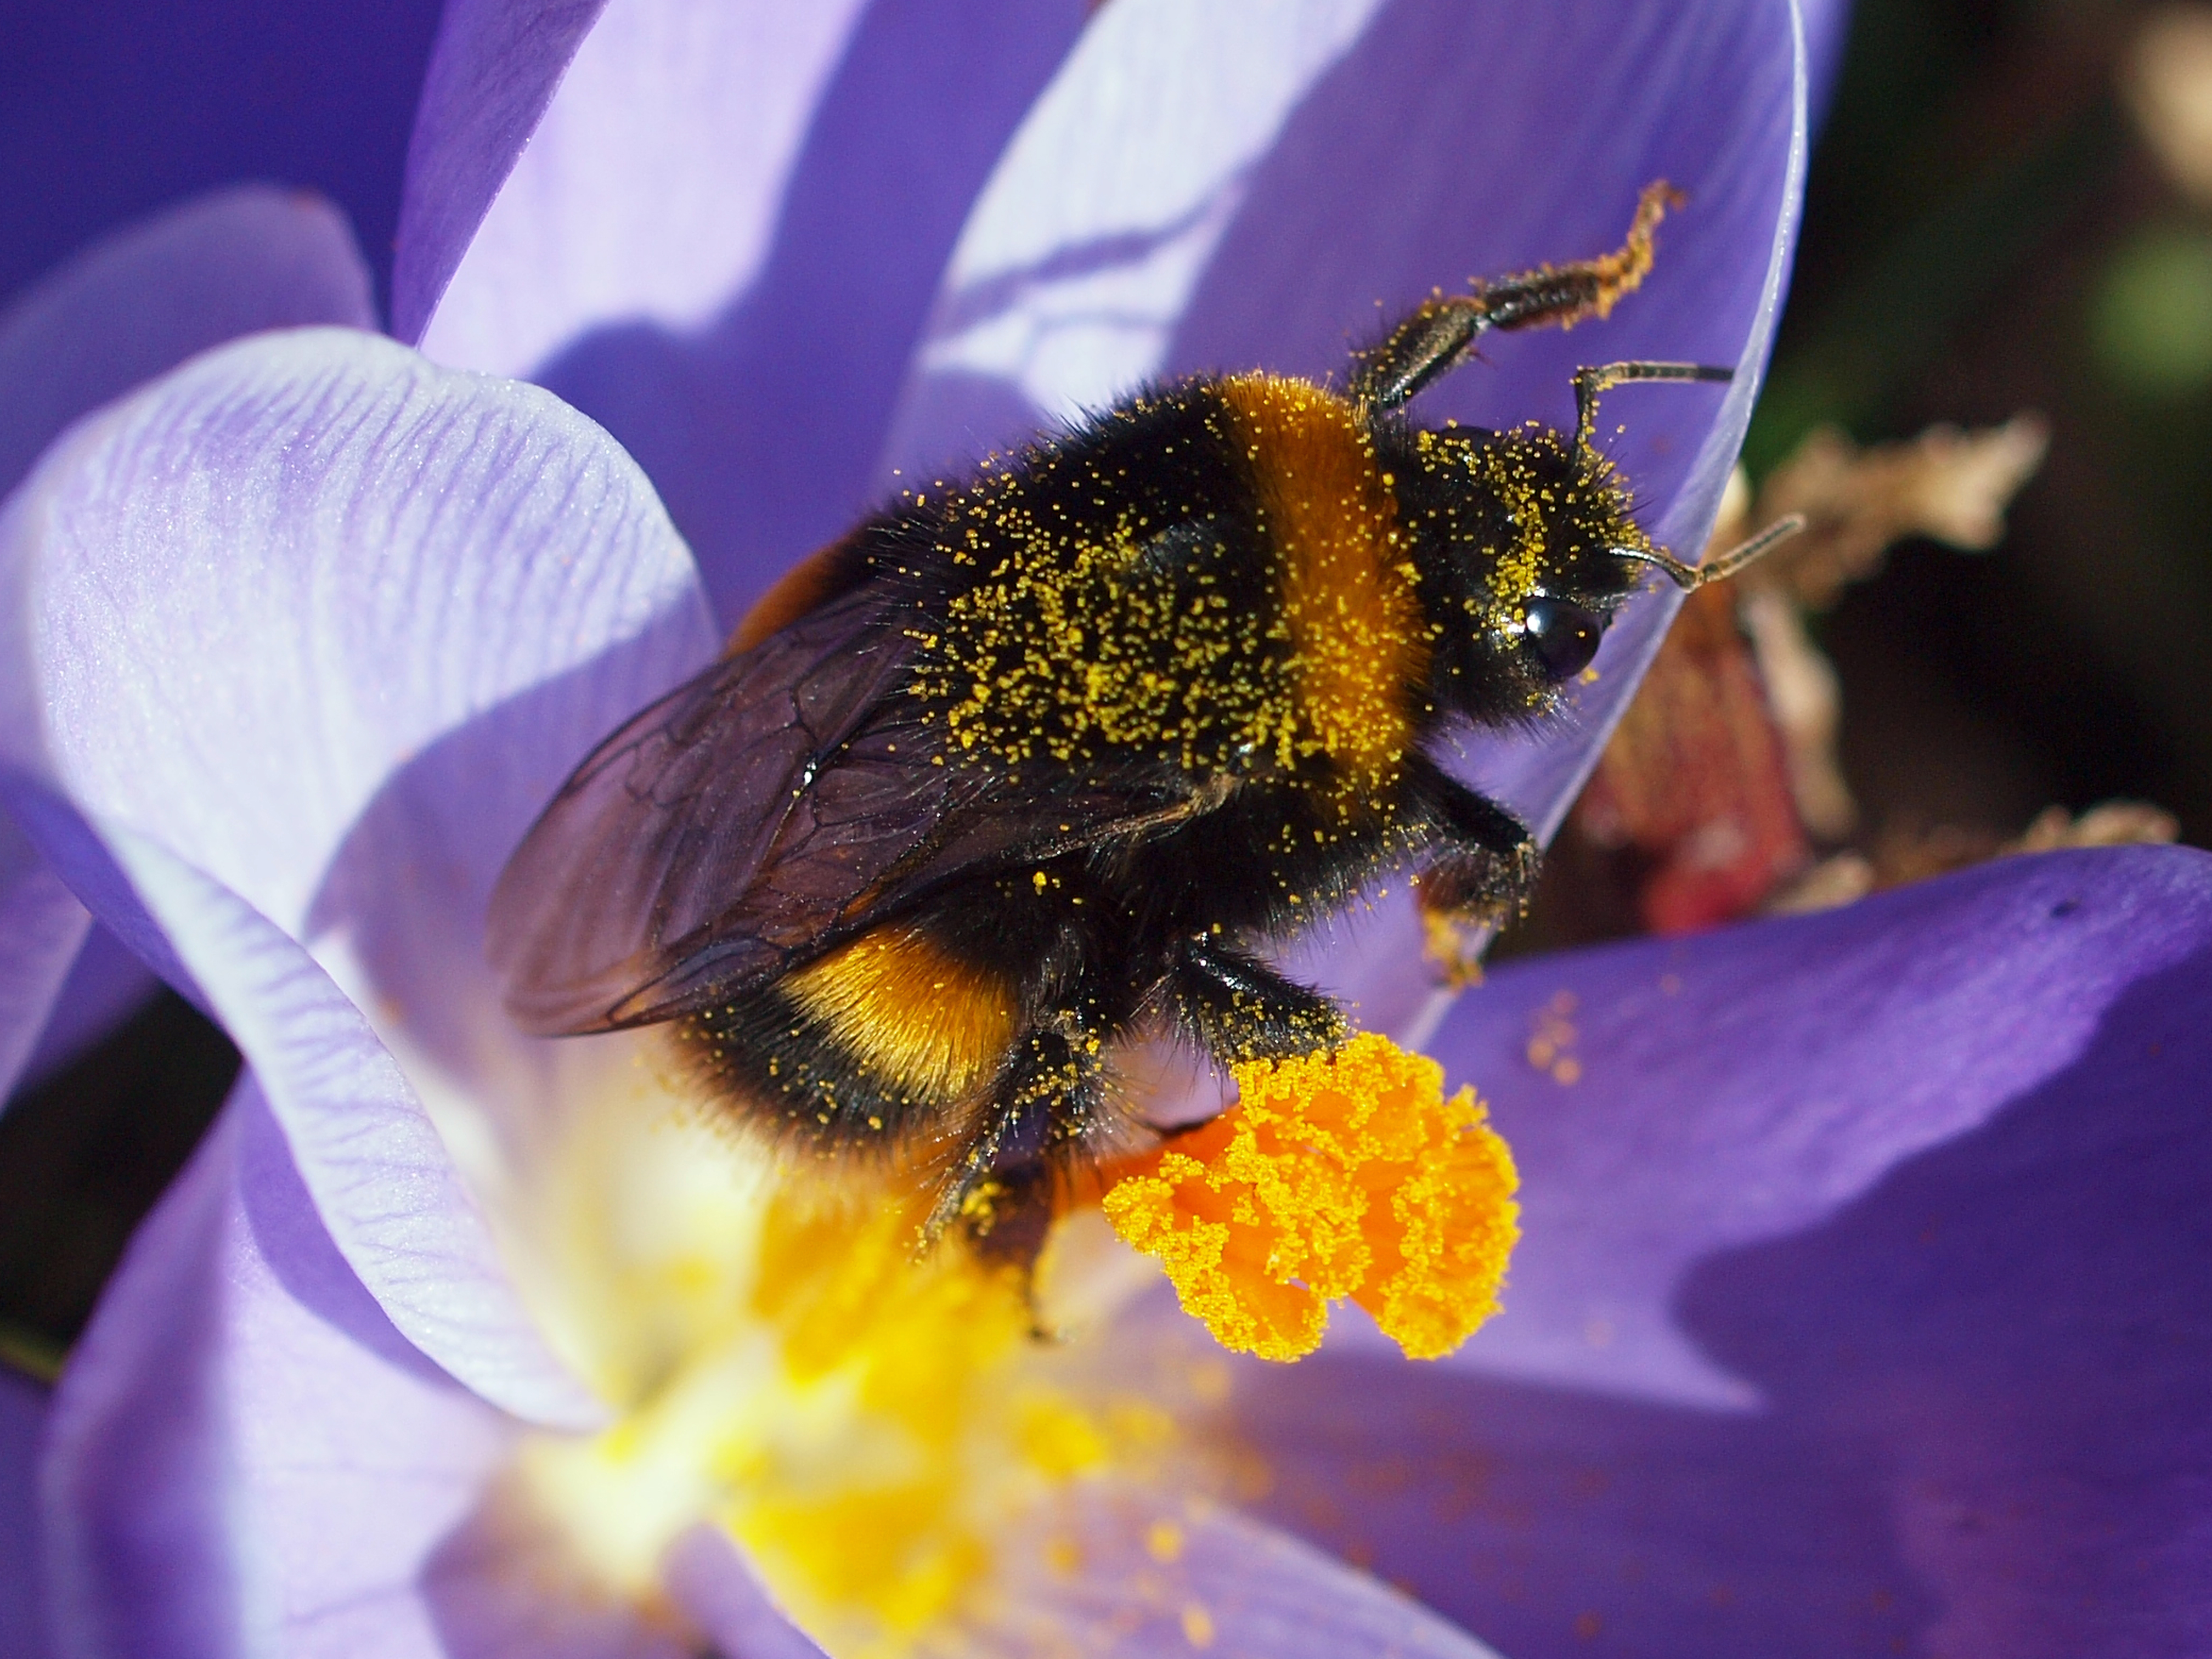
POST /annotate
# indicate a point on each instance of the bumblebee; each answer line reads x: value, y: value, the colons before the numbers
x: 1025, y: 766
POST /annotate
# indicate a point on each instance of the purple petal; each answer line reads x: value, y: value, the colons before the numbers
x: 132, y: 306
x: 492, y: 72
x: 105, y: 983
x: 1860, y: 1307
x: 317, y: 629
x: 22, y: 1427
x: 711, y: 1580
x: 247, y: 1457
x: 1153, y: 1576
x: 140, y: 301
x: 116, y: 111
x: 723, y: 238
x: 370, y: 1153
x: 648, y: 189
x: 1079, y: 260
x: 41, y: 928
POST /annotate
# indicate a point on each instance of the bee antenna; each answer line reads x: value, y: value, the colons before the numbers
x: 1689, y: 577
x: 1590, y: 382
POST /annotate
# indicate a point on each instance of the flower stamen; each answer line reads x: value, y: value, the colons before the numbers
x: 1344, y: 1175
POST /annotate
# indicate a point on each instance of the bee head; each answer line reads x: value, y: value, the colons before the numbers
x: 1525, y: 548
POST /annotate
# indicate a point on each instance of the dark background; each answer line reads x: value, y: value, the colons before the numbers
x: 1984, y: 233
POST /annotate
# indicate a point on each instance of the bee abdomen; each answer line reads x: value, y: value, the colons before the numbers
x: 877, y: 1035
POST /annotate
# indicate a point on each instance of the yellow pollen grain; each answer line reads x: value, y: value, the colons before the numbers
x: 1338, y: 1177
x: 1197, y: 1626
x: 1074, y: 644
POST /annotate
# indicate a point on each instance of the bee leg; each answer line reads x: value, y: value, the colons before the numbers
x: 1240, y: 1009
x: 1008, y: 1221
x: 1441, y: 334
x: 1046, y: 1096
x: 1483, y: 860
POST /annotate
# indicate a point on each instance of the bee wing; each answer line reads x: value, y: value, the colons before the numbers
x: 784, y: 799
x: 725, y: 826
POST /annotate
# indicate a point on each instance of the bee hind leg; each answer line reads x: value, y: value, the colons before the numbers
x: 1001, y: 1187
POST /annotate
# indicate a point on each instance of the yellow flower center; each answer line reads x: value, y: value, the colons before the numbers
x: 876, y: 1429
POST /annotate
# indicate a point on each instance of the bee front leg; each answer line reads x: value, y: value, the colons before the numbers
x: 1484, y: 861
x: 1441, y: 334
x: 1240, y: 1009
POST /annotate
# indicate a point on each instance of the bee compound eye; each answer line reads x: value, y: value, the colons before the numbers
x: 1564, y: 637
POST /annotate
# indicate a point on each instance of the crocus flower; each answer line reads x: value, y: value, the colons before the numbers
x: 309, y: 628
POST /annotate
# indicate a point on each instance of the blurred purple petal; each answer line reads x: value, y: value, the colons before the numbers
x: 1826, y: 23
x: 1860, y: 1307
x: 724, y: 236
x: 1156, y: 1578
x: 245, y: 1452
x: 221, y: 574
x: 117, y: 110
x: 41, y: 928
x: 492, y: 71
x: 23, y: 1428
x: 711, y: 1580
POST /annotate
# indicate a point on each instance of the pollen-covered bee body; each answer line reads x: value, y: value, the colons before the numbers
x: 1031, y: 763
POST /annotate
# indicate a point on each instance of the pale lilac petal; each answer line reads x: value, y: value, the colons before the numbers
x: 280, y: 607
x: 1860, y: 1306
x: 723, y: 238
x: 492, y: 71
x: 138, y: 302
x: 120, y: 313
x: 22, y: 1427
x: 246, y: 1455
x: 649, y: 188
x: 369, y: 1153
x: 1222, y: 1582
x: 132, y: 306
x: 1080, y: 259
x: 708, y: 1577
x: 41, y: 928
x: 260, y: 587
